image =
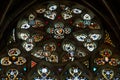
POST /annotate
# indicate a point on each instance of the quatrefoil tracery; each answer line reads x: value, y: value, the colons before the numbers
x: 13, y: 58
x: 106, y: 58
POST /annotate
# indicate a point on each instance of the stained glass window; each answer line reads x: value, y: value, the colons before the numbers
x: 57, y: 40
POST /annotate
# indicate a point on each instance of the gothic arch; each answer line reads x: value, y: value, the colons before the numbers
x: 59, y: 40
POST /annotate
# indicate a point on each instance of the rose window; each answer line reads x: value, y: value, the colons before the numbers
x: 59, y: 40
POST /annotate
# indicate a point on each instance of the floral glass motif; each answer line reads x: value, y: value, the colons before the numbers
x: 75, y: 73
x: 23, y: 24
x: 47, y: 52
x: 14, y: 52
x: 80, y: 52
x: 68, y: 46
x: 20, y: 61
x: 59, y: 30
x: 72, y: 51
x: 76, y: 11
x: 43, y: 73
x: 86, y: 22
x: 88, y: 39
x: 38, y: 54
x: 37, y: 37
x: 29, y: 39
x: 50, y: 15
x: 12, y: 74
x: 50, y: 47
x: 38, y: 24
x: 66, y: 14
x: 6, y: 61
x: 87, y: 19
x: 28, y: 46
x: 106, y: 58
x: 31, y: 22
x: 108, y: 74
x: 24, y: 35
x: 52, y: 7
x: 13, y: 58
